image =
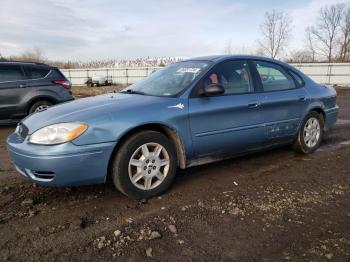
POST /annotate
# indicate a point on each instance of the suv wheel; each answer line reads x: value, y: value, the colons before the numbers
x: 145, y: 165
x: 310, y: 134
x: 39, y: 106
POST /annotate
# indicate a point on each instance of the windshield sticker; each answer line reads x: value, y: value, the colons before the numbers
x: 188, y: 70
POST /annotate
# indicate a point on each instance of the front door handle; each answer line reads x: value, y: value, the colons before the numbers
x: 253, y: 104
x: 23, y: 85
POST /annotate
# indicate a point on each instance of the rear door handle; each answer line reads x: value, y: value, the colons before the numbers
x: 23, y: 85
x: 301, y: 98
x: 253, y: 104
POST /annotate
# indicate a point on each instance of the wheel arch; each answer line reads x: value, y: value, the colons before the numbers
x: 169, y: 132
x: 320, y: 111
x: 40, y: 98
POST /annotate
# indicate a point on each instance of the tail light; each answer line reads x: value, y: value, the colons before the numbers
x: 65, y: 83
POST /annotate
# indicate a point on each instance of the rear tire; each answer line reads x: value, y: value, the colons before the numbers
x: 145, y: 165
x: 310, y: 134
x: 39, y: 106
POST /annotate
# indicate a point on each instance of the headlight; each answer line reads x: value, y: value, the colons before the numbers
x: 58, y: 133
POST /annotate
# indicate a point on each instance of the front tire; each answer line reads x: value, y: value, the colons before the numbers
x: 145, y: 165
x: 310, y: 134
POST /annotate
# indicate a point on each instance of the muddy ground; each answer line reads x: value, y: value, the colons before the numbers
x: 84, y: 91
x: 272, y: 206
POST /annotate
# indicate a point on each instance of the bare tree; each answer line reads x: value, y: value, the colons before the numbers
x: 2, y: 58
x: 327, y: 29
x: 228, y: 49
x: 275, y: 33
x: 344, y: 55
x: 240, y: 49
x: 310, y: 46
x: 32, y: 55
x: 300, y: 56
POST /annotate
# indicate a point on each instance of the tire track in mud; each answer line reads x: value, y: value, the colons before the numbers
x: 234, y: 201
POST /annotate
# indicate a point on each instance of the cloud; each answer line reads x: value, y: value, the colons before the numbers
x: 46, y: 24
x: 84, y: 30
x: 88, y: 29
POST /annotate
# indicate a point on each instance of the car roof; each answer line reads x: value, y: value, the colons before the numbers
x: 219, y: 58
x: 25, y: 63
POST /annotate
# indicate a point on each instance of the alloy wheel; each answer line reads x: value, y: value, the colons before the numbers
x: 312, y: 132
x: 41, y: 108
x: 149, y: 166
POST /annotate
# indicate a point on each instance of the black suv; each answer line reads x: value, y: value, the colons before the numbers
x: 26, y: 88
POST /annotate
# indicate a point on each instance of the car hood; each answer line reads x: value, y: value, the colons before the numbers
x: 90, y: 109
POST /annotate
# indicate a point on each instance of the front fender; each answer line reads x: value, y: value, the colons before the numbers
x: 112, y: 126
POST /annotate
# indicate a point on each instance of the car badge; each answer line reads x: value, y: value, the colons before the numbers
x: 179, y: 105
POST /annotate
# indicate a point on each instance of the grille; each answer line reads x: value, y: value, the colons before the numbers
x: 22, y: 130
x: 43, y: 175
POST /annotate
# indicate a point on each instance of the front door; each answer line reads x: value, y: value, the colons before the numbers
x: 231, y: 122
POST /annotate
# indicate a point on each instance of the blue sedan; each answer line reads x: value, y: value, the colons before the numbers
x: 189, y: 113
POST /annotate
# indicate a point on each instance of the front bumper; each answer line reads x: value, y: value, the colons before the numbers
x: 60, y: 165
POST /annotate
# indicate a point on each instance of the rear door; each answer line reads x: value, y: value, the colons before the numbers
x: 284, y: 101
x: 36, y: 76
x: 12, y: 84
x: 231, y: 122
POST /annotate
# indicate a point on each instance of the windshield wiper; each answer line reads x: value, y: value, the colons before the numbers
x: 130, y: 91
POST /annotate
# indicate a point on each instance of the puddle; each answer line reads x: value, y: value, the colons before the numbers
x: 341, y: 122
x: 334, y: 147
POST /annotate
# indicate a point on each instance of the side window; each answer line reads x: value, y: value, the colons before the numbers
x: 10, y: 73
x: 234, y: 76
x: 35, y: 73
x: 273, y: 77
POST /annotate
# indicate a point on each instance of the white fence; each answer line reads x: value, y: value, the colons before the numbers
x: 123, y: 76
x: 334, y: 73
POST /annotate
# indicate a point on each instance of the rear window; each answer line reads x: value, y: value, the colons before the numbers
x: 56, y: 74
x: 35, y: 73
x: 11, y: 73
x: 273, y: 77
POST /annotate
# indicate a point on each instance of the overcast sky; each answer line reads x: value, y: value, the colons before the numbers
x: 84, y: 30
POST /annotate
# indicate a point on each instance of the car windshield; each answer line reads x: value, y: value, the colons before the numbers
x: 170, y: 80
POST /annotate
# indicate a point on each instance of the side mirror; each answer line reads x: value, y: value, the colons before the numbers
x: 213, y: 90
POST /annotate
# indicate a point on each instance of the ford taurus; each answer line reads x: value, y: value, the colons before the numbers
x: 189, y: 113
